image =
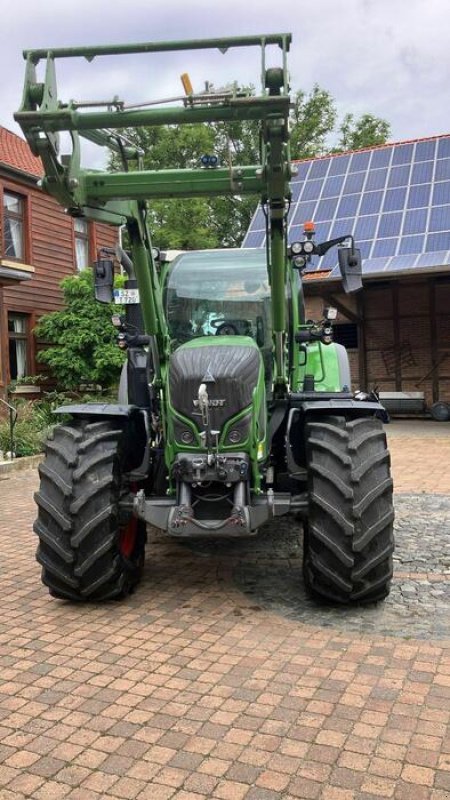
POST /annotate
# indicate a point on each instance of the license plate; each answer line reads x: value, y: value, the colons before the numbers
x: 126, y: 297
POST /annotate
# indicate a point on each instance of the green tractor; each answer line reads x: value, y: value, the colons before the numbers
x: 232, y: 410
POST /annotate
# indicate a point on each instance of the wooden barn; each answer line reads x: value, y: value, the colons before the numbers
x: 395, y: 200
x: 39, y: 245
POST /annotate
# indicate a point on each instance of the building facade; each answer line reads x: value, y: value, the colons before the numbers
x: 395, y: 201
x: 39, y: 246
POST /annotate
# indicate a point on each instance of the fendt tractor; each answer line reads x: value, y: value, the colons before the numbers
x: 232, y: 409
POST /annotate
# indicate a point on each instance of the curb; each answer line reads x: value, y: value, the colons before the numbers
x: 19, y: 464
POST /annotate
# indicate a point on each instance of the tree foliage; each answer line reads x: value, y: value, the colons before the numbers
x: 367, y: 131
x: 84, y: 347
x: 197, y: 223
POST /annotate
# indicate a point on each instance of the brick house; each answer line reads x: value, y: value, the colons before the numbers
x: 39, y: 246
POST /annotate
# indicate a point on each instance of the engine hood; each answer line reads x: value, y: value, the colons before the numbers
x: 229, y: 366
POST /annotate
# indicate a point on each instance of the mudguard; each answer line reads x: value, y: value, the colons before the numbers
x: 132, y: 422
x: 347, y: 406
x: 306, y: 407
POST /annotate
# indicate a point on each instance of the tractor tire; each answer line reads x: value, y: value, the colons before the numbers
x: 89, y: 549
x: 349, y: 539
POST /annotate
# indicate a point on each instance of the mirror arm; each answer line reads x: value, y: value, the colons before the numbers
x: 323, y: 248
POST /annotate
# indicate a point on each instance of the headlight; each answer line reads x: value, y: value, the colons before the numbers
x: 296, y: 248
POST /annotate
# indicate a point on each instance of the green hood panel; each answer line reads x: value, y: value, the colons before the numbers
x: 219, y: 341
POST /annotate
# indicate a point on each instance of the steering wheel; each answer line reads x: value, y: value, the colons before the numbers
x: 226, y: 329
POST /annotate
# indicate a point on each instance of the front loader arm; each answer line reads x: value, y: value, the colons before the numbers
x: 120, y: 198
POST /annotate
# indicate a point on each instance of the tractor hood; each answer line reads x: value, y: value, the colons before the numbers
x: 229, y: 367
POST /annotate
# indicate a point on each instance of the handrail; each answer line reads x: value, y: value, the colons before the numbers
x: 12, y: 421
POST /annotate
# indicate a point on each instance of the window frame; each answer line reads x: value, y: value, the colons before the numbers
x: 87, y: 238
x: 23, y: 196
x: 23, y: 337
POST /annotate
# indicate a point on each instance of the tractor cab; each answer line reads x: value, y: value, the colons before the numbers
x: 218, y: 293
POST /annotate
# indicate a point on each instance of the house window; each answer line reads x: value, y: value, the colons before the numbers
x: 13, y: 226
x: 18, y: 345
x: 81, y: 243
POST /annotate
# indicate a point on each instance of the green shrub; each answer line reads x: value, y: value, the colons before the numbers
x: 28, y: 440
x: 30, y: 431
x: 36, y: 418
x: 82, y: 340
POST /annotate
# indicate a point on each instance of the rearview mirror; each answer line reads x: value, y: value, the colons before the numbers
x: 350, y: 268
x: 104, y: 280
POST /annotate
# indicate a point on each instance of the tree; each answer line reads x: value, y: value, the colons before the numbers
x: 367, y: 131
x: 198, y: 223
x: 84, y: 341
x: 313, y: 120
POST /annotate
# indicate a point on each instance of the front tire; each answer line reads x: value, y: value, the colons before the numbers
x: 88, y: 548
x: 349, y: 538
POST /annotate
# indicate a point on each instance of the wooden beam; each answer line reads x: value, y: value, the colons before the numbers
x: 435, y: 361
x: 397, y: 342
x: 362, y: 351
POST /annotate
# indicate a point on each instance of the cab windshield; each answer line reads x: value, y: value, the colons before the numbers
x: 219, y: 292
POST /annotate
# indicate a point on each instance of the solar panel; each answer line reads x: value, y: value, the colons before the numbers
x: 395, y: 200
x: 384, y: 247
x: 255, y: 239
x: 432, y: 259
x: 411, y: 244
x: 423, y: 171
x: 444, y: 147
x: 425, y: 150
x: 401, y: 262
x: 442, y: 169
x: 390, y: 224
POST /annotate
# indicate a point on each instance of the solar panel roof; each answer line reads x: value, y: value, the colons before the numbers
x: 394, y: 199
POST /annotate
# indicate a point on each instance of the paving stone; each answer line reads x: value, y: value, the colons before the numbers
x: 218, y: 679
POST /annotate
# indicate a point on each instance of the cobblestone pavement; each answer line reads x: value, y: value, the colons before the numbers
x: 269, y: 570
x: 194, y: 688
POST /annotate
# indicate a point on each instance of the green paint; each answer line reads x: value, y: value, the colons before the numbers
x: 121, y: 198
x: 172, y: 183
x: 256, y: 439
x: 220, y: 341
x: 92, y: 51
x: 322, y: 362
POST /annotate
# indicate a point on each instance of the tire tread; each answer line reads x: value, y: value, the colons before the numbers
x: 349, y: 538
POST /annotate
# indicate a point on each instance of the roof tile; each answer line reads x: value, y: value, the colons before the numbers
x: 15, y: 153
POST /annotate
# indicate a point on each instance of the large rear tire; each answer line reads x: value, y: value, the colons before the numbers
x: 349, y: 538
x: 88, y: 548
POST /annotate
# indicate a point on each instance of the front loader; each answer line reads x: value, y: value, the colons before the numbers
x: 232, y: 410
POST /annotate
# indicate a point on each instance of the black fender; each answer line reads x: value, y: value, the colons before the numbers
x: 308, y: 409
x: 132, y: 421
x: 348, y: 407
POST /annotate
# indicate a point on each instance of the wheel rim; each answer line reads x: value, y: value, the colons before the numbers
x: 127, y: 539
